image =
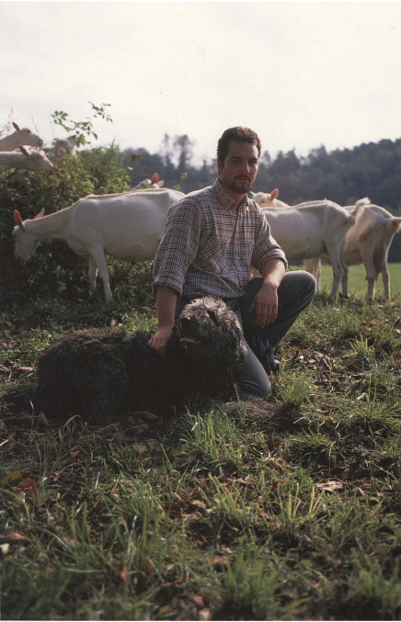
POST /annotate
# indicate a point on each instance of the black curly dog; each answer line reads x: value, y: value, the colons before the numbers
x: 106, y: 374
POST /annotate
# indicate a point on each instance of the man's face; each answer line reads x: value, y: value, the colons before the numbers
x: 238, y: 171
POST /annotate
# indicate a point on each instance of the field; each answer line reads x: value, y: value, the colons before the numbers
x: 357, y: 285
x: 293, y: 513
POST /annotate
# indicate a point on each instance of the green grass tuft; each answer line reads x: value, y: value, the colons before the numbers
x: 293, y: 514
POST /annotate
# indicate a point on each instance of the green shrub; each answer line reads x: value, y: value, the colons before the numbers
x: 54, y: 269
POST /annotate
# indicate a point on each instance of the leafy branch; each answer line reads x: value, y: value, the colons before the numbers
x: 82, y: 130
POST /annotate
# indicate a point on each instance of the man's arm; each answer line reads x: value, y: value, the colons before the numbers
x: 166, y: 303
x: 265, y: 303
x: 175, y: 254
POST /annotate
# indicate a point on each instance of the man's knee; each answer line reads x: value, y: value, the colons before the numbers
x: 257, y: 387
x: 301, y: 283
x: 297, y: 288
x: 308, y: 282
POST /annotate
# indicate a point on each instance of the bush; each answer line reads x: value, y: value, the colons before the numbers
x: 54, y: 268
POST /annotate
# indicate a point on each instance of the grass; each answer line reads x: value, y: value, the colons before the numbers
x: 294, y: 514
x: 357, y: 286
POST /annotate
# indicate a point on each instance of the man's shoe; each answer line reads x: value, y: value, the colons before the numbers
x: 263, y: 349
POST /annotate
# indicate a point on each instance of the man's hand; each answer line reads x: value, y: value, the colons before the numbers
x: 166, y: 302
x: 265, y: 305
x: 159, y: 340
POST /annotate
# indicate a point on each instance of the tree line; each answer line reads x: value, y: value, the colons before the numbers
x: 343, y: 175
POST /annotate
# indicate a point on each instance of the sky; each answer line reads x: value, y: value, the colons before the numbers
x: 301, y: 74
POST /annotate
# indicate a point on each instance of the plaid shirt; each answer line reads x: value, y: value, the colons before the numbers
x: 208, y: 247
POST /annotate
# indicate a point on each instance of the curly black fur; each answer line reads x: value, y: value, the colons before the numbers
x: 106, y: 374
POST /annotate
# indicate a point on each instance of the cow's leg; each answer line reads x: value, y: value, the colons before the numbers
x: 334, y: 251
x: 314, y: 266
x: 97, y: 255
x: 367, y: 258
x: 92, y: 273
x: 344, y: 279
x: 318, y: 275
x: 386, y: 281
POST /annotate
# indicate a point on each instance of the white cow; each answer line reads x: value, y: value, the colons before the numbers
x: 147, y: 183
x: 268, y: 199
x: 367, y: 242
x: 62, y: 147
x: 310, y: 229
x: 127, y: 226
x: 31, y: 159
x: 20, y: 137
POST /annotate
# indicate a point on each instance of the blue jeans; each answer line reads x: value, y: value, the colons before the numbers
x: 296, y: 292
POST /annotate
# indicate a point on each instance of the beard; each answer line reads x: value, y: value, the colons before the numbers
x: 240, y: 186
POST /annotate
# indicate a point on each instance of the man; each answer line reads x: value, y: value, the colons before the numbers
x: 211, y: 240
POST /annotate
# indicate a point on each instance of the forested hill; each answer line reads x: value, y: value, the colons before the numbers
x: 345, y: 175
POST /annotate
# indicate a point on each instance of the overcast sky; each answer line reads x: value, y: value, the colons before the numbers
x: 301, y: 74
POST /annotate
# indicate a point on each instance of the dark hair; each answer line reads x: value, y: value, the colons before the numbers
x: 239, y: 134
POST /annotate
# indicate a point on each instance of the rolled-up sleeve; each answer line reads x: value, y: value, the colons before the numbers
x: 266, y: 247
x: 179, y: 244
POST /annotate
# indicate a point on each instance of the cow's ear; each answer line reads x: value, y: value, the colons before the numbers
x: 17, y: 219
x: 40, y: 214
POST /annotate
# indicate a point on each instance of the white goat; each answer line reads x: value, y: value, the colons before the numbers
x: 20, y: 137
x: 303, y: 229
x: 31, y: 159
x: 266, y: 199
x: 367, y: 242
x: 147, y: 183
x: 127, y: 226
x: 62, y: 147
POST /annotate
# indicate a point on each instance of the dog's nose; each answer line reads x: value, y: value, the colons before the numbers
x: 185, y: 321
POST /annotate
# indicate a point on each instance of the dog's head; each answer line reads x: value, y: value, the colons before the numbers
x: 208, y: 330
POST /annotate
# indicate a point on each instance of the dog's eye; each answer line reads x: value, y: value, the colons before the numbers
x: 213, y: 316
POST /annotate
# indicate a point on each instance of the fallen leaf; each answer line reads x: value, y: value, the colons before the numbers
x: 197, y: 504
x: 197, y: 600
x: 12, y: 476
x: 330, y: 485
x: 12, y: 538
x: 229, y: 551
x: 139, y: 448
x: 123, y: 574
x: 28, y: 485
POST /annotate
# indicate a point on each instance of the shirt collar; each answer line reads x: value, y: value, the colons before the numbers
x: 225, y: 198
